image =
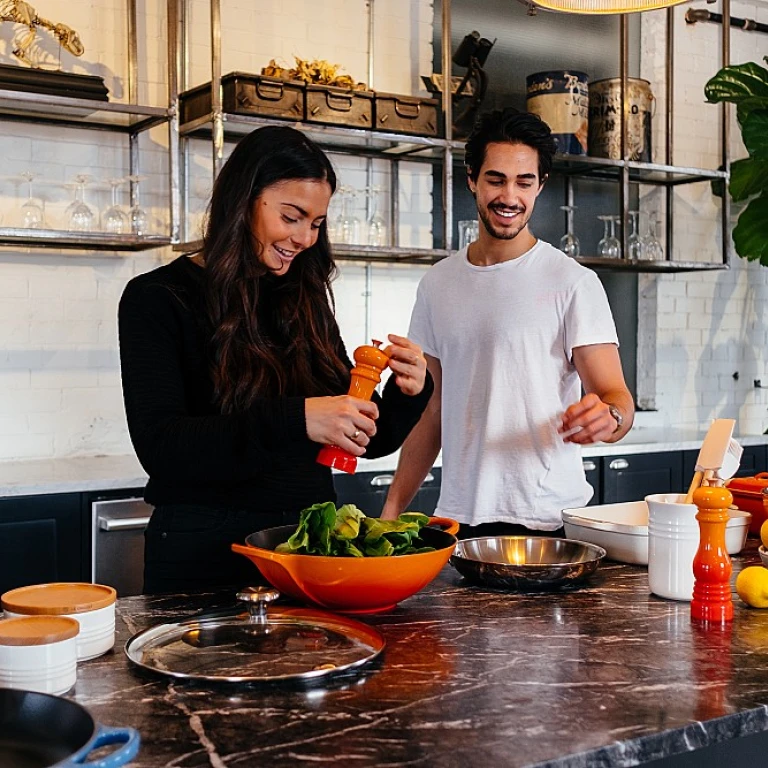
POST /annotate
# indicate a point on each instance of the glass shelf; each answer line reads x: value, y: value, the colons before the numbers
x: 624, y: 265
x: 336, y: 138
x: 83, y: 241
x: 81, y: 113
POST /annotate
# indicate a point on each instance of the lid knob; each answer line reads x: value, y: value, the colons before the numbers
x: 257, y: 598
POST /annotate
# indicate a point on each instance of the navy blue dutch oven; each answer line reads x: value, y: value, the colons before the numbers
x: 38, y: 730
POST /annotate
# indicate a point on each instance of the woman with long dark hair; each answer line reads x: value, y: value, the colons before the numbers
x: 234, y: 372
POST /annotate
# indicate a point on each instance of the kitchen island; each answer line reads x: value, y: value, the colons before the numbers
x: 605, y: 675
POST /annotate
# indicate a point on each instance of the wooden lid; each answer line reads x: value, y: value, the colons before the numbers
x: 56, y: 599
x: 37, y: 630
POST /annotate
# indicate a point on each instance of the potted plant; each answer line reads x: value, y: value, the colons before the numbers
x: 746, y: 86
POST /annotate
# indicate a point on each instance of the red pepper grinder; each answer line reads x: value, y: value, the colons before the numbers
x: 712, y: 600
x: 370, y: 362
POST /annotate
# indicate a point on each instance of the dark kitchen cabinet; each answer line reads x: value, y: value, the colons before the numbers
x: 753, y: 460
x: 42, y: 539
x: 368, y: 491
x: 634, y: 476
x: 592, y: 471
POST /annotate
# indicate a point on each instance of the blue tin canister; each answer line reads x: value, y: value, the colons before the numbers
x: 560, y: 98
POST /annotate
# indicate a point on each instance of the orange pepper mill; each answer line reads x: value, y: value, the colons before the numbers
x: 370, y: 362
x: 712, y: 600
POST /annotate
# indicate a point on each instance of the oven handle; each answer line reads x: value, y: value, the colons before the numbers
x: 107, y: 523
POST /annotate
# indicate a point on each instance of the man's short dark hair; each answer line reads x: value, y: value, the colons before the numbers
x: 514, y: 127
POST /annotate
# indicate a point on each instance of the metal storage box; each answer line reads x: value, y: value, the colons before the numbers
x: 406, y: 114
x: 339, y: 106
x: 246, y: 94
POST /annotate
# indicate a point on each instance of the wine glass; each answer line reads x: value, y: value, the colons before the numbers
x: 81, y: 217
x: 114, y: 219
x: 376, y: 226
x: 609, y: 247
x: 32, y: 216
x: 653, y: 250
x: 347, y: 225
x: 635, y: 243
x: 136, y: 214
x: 569, y: 243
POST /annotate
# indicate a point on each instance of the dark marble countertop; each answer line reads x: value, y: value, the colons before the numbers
x: 606, y: 675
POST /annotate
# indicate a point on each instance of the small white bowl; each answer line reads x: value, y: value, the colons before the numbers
x: 39, y: 653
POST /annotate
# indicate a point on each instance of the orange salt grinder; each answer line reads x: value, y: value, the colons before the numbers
x: 370, y: 362
x: 712, y: 600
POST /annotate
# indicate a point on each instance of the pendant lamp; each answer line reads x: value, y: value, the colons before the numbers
x: 603, y: 6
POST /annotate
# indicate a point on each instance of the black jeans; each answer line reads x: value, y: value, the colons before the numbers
x: 504, y: 529
x: 187, y: 548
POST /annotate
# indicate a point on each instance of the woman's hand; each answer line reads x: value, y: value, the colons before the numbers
x: 408, y: 364
x: 345, y: 421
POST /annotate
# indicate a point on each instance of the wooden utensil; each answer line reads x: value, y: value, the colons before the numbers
x: 716, y: 444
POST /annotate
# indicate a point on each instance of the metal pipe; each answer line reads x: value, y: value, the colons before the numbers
x: 133, y: 58
x: 368, y: 309
x: 692, y: 15
x: 394, y: 203
x: 448, y: 122
x: 174, y: 175
x: 726, y: 134
x: 669, y: 191
x: 216, y: 90
x: 624, y: 187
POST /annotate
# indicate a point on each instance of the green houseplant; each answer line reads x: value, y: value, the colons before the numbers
x: 746, y: 86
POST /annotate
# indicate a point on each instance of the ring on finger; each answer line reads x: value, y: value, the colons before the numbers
x: 355, y: 434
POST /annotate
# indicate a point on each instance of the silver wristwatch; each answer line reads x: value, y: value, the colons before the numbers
x: 616, y: 413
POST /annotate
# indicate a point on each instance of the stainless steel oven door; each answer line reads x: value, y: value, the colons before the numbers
x: 118, y: 543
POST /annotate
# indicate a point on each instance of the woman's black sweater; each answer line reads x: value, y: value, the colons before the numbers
x: 260, y: 460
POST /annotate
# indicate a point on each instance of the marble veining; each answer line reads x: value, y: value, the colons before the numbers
x: 605, y: 675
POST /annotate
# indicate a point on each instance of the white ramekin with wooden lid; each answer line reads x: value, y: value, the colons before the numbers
x: 92, y: 605
x: 39, y: 653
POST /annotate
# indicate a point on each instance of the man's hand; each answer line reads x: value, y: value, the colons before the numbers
x: 588, y: 421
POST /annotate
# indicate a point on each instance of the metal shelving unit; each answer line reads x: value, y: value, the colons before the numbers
x: 220, y: 127
x: 130, y: 119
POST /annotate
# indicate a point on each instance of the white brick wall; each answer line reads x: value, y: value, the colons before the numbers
x: 710, y: 325
x: 59, y: 375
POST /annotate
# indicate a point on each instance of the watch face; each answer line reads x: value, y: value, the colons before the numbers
x: 614, y: 411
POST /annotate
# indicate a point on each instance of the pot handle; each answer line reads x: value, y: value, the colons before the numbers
x: 245, y: 549
x: 128, y: 737
x: 446, y: 524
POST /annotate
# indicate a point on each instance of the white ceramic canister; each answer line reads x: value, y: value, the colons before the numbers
x: 39, y: 653
x: 92, y: 605
x: 673, y: 540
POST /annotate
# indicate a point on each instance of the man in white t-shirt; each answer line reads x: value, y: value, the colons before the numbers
x: 512, y: 330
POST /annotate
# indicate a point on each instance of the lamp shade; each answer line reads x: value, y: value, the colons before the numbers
x: 605, y: 6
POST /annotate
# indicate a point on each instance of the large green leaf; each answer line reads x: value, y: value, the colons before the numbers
x: 748, y: 177
x: 747, y: 106
x: 738, y: 82
x: 750, y: 235
x: 754, y: 132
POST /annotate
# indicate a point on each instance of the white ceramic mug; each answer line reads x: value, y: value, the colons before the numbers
x: 673, y: 540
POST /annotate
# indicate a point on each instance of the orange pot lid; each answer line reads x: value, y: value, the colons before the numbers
x: 56, y: 599
x: 749, y: 485
x: 37, y: 630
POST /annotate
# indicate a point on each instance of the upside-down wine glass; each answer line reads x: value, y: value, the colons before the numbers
x: 609, y: 247
x: 635, y: 243
x: 376, y: 226
x: 32, y: 216
x: 653, y: 249
x: 137, y: 215
x: 569, y: 243
x: 114, y: 219
x: 81, y: 217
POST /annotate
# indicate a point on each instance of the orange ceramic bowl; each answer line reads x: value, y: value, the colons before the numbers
x: 350, y: 584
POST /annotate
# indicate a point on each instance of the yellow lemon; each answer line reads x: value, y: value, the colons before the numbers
x: 752, y: 586
x: 764, y: 534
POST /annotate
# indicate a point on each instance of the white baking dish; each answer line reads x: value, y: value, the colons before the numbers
x: 622, y: 529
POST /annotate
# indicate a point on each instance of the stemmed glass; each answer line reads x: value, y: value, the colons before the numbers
x: 81, y: 217
x: 32, y: 216
x: 635, y: 243
x: 653, y: 250
x: 136, y: 214
x: 569, y: 243
x: 610, y: 246
x: 114, y: 219
x: 376, y: 226
x: 347, y: 224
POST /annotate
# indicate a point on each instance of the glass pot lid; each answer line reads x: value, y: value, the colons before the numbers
x: 284, y: 644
